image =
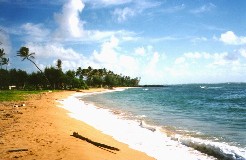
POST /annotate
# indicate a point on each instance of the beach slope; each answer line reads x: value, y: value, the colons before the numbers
x: 41, y: 130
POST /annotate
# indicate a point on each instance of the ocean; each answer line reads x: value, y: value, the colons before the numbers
x: 192, y: 121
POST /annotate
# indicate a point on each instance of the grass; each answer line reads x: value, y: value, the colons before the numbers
x: 14, y: 95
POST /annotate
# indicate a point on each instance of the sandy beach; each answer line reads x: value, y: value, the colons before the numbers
x: 41, y: 130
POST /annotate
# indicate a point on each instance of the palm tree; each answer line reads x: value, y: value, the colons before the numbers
x: 2, y: 54
x: 5, y: 61
x: 59, y: 64
x: 24, y: 53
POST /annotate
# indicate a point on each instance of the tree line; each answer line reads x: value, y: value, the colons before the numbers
x: 55, y: 78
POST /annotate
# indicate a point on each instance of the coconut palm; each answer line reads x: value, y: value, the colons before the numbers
x: 5, y: 61
x: 24, y: 53
x: 59, y: 64
x: 2, y: 54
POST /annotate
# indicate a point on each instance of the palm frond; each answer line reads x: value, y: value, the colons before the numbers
x: 5, y: 61
x: 2, y: 52
x: 31, y: 56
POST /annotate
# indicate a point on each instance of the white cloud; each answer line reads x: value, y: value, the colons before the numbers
x: 46, y: 54
x: 129, y: 65
x: 154, y: 60
x: 212, y: 58
x: 5, y: 42
x: 230, y: 38
x: 191, y: 55
x: 69, y: 20
x: 123, y: 14
x: 242, y: 51
x: 200, y: 67
x: 108, y: 53
x: 142, y: 5
x: 177, y: 72
x: 174, y: 9
x: 180, y: 60
x: 35, y: 32
x: 199, y: 39
x: 105, y: 3
x: 138, y: 6
x: 53, y: 51
x: 140, y: 51
x: 111, y: 58
x: 166, y: 38
x: 151, y: 70
x: 115, y: 2
x: 71, y: 26
x: 204, y: 8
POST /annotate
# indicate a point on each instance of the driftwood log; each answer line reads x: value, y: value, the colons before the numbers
x: 76, y: 135
x: 18, y: 150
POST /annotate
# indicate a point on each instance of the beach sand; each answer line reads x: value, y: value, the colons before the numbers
x: 41, y: 130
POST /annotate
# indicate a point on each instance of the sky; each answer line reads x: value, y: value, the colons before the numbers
x: 161, y: 41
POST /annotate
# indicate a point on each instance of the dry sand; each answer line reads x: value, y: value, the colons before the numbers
x: 41, y: 130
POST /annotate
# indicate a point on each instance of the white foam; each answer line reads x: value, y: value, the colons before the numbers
x: 223, y: 150
x: 155, y: 144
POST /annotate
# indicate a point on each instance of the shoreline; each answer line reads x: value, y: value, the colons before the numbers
x: 42, y: 130
x: 138, y: 137
x: 150, y: 139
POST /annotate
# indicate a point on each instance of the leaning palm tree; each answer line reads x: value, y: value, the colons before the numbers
x: 24, y: 53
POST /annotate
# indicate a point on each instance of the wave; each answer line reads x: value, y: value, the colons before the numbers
x: 215, y: 149
x: 219, y: 150
x: 146, y: 126
x: 205, y: 87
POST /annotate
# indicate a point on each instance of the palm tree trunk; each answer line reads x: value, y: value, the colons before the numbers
x: 40, y: 71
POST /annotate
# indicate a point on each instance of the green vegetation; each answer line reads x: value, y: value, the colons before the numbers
x: 16, y: 95
x: 55, y: 78
x: 3, y: 59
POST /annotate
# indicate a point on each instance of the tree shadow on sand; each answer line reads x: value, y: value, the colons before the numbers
x: 100, y: 145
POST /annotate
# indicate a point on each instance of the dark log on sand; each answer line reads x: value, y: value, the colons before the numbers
x: 18, y: 150
x: 76, y: 135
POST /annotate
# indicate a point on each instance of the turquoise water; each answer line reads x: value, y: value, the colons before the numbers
x: 208, y: 112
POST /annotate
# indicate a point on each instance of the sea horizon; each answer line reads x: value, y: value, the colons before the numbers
x: 195, y: 83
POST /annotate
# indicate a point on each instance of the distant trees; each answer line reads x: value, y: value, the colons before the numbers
x: 105, y: 78
x: 4, y: 79
x: 79, y: 79
x: 56, y: 78
x: 11, y: 77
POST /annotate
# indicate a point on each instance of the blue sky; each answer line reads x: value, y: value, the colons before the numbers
x: 161, y: 41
